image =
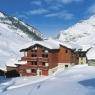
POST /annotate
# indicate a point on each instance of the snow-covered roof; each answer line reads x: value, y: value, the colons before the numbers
x: 14, y: 63
x: 49, y: 43
x: 3, y: 68
x: 11, y: 63
x: 21, y: 62
x: 46, y: 43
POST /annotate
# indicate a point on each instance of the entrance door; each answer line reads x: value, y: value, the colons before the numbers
x: 39, y: 72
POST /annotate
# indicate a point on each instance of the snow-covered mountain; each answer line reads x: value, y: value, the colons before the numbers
x: 83, y: 34
x: 13, y: 34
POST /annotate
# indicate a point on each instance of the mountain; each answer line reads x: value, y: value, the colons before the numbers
x: 83, y: 34
x: 13, y: 34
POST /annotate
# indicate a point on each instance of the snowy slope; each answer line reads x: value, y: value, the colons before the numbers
x: 82, y: 33
x: 13, y: 34
x: 79, y: 80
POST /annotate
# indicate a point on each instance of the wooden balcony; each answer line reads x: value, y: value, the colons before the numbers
x: 29, y: 58
x: 44, y: 59
x: 40, y: 59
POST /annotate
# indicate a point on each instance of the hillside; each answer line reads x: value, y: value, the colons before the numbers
x: 13, y: 34
x: 83, y: 34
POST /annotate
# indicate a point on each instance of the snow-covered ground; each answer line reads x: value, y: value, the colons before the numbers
x: 78, y: 80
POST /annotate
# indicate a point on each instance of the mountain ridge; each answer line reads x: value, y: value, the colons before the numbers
x: 13, y: 34
x: 82, y: 33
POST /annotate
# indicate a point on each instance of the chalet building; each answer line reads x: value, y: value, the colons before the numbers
x: 11, y: 68
x: 11, y: 72
x: 45, y: 57
x: 91, y: 57
x: 1, y: 72
x: 82, y: 59
x: 81, y: 55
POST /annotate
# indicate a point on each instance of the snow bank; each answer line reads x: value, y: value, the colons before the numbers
x: 78, y: 80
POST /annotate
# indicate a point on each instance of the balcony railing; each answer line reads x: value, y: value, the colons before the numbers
x: 44, y: 59
x: 29, y: 58
x: 44, y: 67
x: 41, y: 59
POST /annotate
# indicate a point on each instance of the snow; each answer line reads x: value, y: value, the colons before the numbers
x: 1, y: 15
x: 91, y: 54
x: 21, y: 62
x: 11, y: 63
x: 78, y: 80
x: 49, y: 43
x: 11, y: 40
x: 3, y: 68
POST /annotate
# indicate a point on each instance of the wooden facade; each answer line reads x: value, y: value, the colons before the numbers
x: 44, y: 61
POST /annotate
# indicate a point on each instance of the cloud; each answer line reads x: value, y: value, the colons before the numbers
x: 50, y: 8
x: 21, y: 15
x: 91, y: 9
x: 62, y: 1
x: 70, y: 1
x: 37, y: 3
x: 37, y: 12
x: 55, y: 6
x: 65, y: 15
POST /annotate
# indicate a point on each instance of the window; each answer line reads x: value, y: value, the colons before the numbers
x: 28, y: 70
x: 45, y: 51
x: 34, y: 55
x: 25, y: 53
x: 46, y: 64
x: 43, y: 63
x: 66, y: 51
x: 45, y: 55
x: 34, y: 49
x: 66, y: 66
x: 34, y: 62
x: 33, y: 70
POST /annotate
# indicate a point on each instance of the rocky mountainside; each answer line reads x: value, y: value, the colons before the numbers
x: 13, y: 34
x: 83, y: 34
